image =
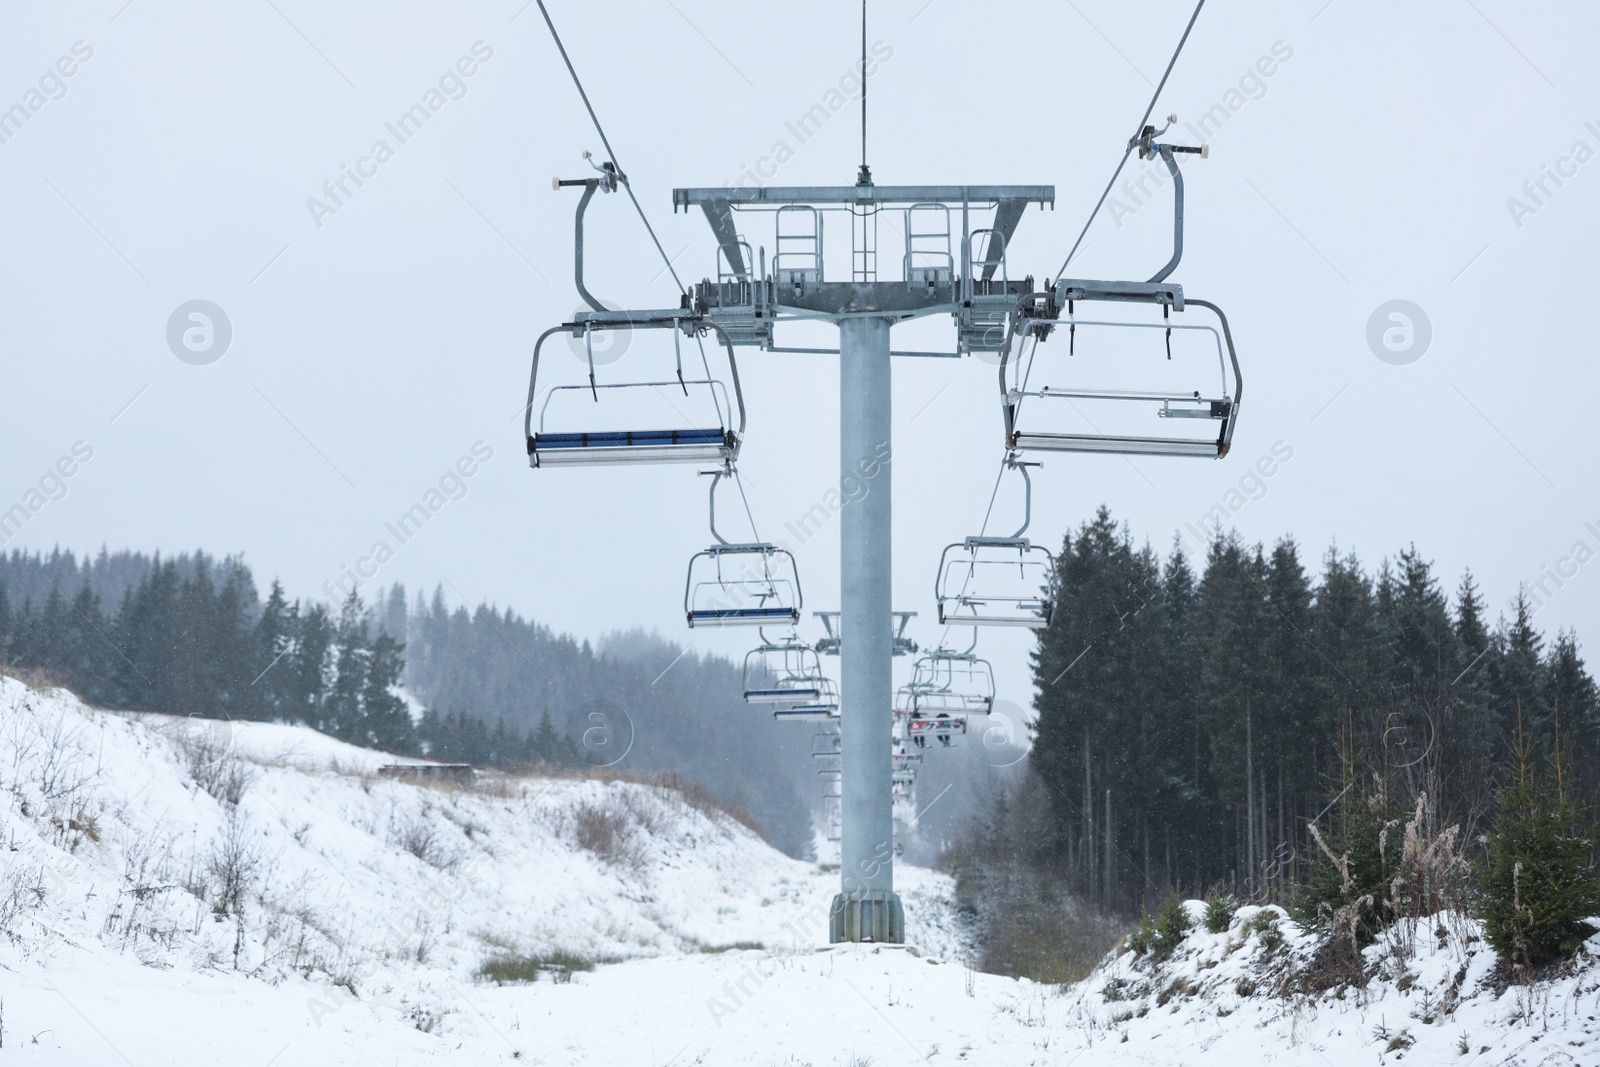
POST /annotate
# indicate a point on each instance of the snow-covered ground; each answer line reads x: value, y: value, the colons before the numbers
x: 187, y: 892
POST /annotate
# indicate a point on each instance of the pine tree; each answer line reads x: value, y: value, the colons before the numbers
x: 7, y: 626
x: 1098, y: 669
x: 1574, y: 703
x: 1472, y: 752
x: 1357, y: 852
x: 1236, y: 690
x: 1425, y: 658
x: 196, y: 676
x: 1518, y: 683
x: 85, y: 659
x: 230, y: 642
x: 1540, y: 884
x: 147, y: 628
x: 272, y: 675
x: 1351, y: 663
x: 386, y: 717
x: 343, y: 716
x: 1195, y: 822
x: 309, y: 666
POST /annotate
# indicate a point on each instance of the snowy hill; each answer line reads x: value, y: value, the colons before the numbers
x: 189, y: 892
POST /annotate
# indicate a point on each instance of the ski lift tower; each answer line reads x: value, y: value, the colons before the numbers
x: 947, y: 268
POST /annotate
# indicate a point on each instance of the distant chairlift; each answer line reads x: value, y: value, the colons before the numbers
x: 782, y: 672
x: 823, y: 708
x: 941, y: 727
x: 1079, y: 401
x: 997, y: 581
x: 945, y: 680
x: 749, y: 584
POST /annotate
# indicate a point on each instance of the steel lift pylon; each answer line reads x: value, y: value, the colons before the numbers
x: 967, y: 281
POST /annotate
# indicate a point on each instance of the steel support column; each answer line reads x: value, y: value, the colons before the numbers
x: 866, y: 908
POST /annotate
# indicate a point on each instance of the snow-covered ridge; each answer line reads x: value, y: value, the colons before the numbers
x: 1430, y: 994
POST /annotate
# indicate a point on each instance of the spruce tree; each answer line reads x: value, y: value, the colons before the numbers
x: 1472, y: 753
x: 1518, y: 682
x: 272, y: 678
x: 1574, y: 703
x: 1540, y: 883
x: 386, y: 718
x: 309, y: 664
x: 6, y: 627
x: 343, y: 715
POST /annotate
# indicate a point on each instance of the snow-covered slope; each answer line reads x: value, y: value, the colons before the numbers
x: 187, y: 892
x: 142, y: 855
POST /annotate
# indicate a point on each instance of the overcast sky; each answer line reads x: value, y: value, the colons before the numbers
x: 374, y: 345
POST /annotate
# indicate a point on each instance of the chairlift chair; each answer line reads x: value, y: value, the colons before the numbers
x: 673, y: 419
x: 951, y: 681
x: 824, y: 708
x: 942, y: 727
x: 782, y: 672
x: 1100, y: 414
x: 997, y: 581
x: 1076, y: 400
x: 748, y: 584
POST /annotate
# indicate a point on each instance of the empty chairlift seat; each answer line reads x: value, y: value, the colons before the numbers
x: 742, y: 585
x: 823, y: 708
x: 787, y: 672
x: 1136, y: 380
x: 948, y: 681
x: 669, y: 418
x: 995, y: 581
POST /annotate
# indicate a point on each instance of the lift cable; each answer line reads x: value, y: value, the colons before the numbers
x: 739, y: 484
x: 607, y: 143
x: 1126, y: 152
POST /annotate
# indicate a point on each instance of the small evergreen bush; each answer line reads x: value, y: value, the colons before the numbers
x: 1539, y: 884
x: 1143, y: 937
x: 1220, y: 906
x: 1347, y: 891
x: 1171, y: 924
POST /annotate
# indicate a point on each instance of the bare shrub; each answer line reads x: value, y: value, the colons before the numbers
x: 1432, y: 875
x: 211, y: 760
x: 614, y: 825
x: 232, y: 866
x: 49, y: 754
x: 605, y: 830
x: 297, y: 936
x: 419, y: 836
x: 1434, y: 871
x: 21, y: 891
x: 147, y: 878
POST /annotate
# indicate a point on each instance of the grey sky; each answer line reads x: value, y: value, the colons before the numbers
x: 370, y: 352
